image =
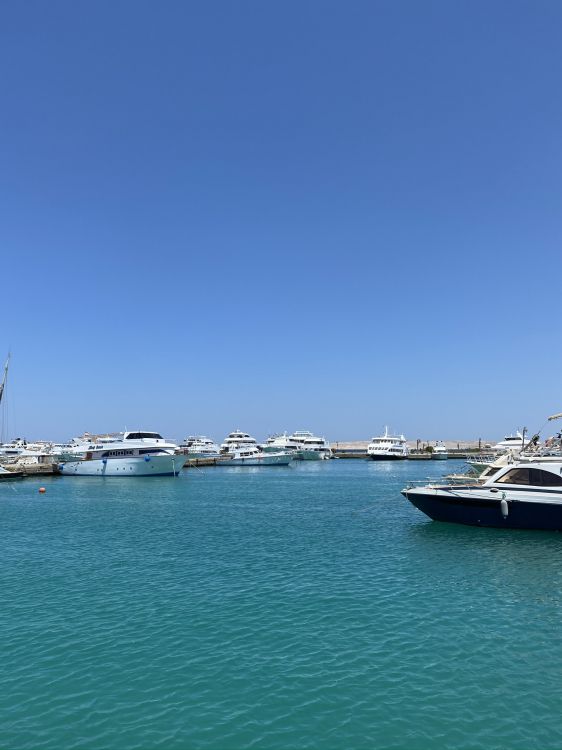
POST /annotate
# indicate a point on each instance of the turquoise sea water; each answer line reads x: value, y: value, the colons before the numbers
x: 300, y: 607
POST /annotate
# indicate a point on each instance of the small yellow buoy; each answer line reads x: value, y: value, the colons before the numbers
x: 42, y: 489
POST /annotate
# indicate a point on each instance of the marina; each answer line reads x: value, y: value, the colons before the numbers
x: 276, y: 470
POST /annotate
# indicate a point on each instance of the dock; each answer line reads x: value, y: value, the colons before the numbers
x: 195, y: 462
x: 33, y: 470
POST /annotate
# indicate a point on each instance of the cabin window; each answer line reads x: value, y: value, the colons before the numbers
x: 515, y: 476
x: 545, y: 478
x: 141, y: 435
x: 535, y: 477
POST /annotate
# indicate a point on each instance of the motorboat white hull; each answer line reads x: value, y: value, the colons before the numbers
x: 130, y: 466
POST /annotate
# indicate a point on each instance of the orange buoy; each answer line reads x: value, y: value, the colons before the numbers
x: 42, y: 489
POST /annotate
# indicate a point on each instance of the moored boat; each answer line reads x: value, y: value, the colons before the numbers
x: 277, y: 443
x: 240, y: 449
x: 308, y: 447
x: 235, y: 439
x: 252, y: 456
x: 138, y: 454
x: 440, y: 452
x: 388, y: 447
x: 199, y: 446
x: 515, y: 443
x: 525, y: 493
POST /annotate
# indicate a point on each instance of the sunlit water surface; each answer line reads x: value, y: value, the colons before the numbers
x: 301, y: 607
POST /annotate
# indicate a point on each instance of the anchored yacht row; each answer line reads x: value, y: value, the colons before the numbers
x: 301, y: 445
x: 144, y: 453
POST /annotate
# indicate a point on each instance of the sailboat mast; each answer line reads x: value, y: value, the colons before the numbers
x: 5, y: 378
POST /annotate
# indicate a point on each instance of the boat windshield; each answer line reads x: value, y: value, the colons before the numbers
x: 534, y: 477
x: 143, y: 435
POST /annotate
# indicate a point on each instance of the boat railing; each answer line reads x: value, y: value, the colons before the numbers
x: 446, y: 481
x: 551, y: 447
x: 429, y: 482
x: 482, y: 459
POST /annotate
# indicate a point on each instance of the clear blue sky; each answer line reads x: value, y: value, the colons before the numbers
x: 281, y: 215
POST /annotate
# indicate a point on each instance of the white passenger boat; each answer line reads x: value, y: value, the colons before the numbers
x: 199, y: 446
x: 252, y: 456
x: 138, y: 454
x: 236, y: 438
x: 309, y: 447
x: 440, y: 452
x: 388, y: 447
x: 241, y: 449
x: 16, y: 447
x: 276, y: 443
x: 514, y: 443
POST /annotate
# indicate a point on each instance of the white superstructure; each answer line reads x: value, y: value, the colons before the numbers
x: 309, y: 447
x: 236, y: 438
x: 199, y: 446
x: 240, y: 448
x: 513, y: 443
x: 279, y: 443
x: 388, y: 447
x: 440, y: 452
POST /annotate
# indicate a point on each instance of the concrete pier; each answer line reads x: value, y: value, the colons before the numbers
x: 33, y: 470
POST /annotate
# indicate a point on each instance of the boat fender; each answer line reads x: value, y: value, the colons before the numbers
x: 147, y: 458
x: 504, y: 507
x: 104, y: 460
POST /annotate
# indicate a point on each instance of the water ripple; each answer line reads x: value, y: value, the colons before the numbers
x: 300, y: 608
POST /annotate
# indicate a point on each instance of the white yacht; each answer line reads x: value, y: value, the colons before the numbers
x: 240, y: 448
x: 16, y: 447
x: 251, y: 455
x: 199, y: 446
x: 138, y: 454
x: 514, y: 443
x: 309, y: 447
x: 440, y: 453
x: 388, y: 447
x: 236, y: 438
x: 276, y: 443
